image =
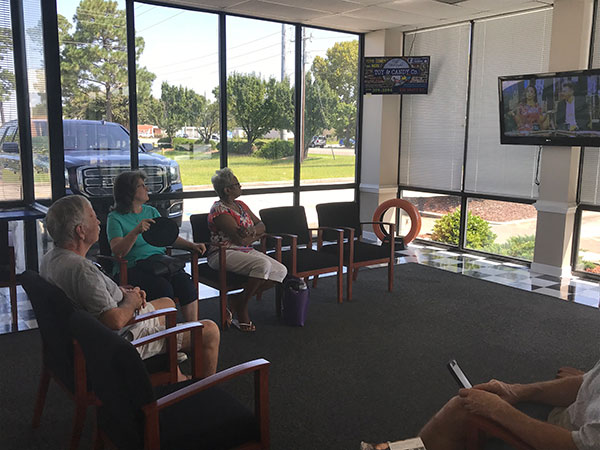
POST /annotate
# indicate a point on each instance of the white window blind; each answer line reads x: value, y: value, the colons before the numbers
x: 590, y: 176
x: 433, y: 125
x: 508, y: 45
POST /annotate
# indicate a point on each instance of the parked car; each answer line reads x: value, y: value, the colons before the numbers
x: 318, y: 141
x: 215, y: 137
x: 95, y: 153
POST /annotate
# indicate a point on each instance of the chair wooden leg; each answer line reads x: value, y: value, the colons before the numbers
x: 349, y: 275
x: 340, y: 285
x: 355, y: 274
x: 223, y: 301
x: 13, y: 306
x: 315, y: 279
x: 390, y: 276
x: 78, y: 422
x: 278, y: 295
x: 41, y: 397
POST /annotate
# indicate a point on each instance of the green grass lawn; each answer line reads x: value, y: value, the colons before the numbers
x: 197, y: 170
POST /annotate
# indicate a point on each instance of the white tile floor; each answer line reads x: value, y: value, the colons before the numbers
x: 572, y: 289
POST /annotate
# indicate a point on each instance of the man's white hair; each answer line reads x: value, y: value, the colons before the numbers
x: 63, y: 217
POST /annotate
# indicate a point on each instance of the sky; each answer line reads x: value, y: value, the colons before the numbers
x: 181, y: 46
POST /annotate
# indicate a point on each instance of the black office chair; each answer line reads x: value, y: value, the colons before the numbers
x: 186, y: 415
x: 357, y: 252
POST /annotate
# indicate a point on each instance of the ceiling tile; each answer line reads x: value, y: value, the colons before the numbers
x: 387, y: 15
x: 433, y: 9
x: 207, y: 4
x: 494, y: 5
x: 274, y: 11
x: 328, y: 6
x: 351, y: 23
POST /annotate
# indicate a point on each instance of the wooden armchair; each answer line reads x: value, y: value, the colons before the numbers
x: 222, y: 280
x: 8, y: 275
x: 479, y: 429
x: 357, y: 253
x: 301, y: 259
x: 185, y: 415
x: 63, y: 360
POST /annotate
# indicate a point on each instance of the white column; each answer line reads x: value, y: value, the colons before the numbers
x: 381, y: 132
x: 556, y: 205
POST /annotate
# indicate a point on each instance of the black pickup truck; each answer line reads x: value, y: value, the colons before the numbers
x: 95, y: 153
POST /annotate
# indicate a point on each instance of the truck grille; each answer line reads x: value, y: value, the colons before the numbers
x: 96, y: 181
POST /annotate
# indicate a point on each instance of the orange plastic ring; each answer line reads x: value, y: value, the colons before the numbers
x: 411, y: 210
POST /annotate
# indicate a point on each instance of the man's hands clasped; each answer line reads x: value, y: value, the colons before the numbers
x: 488, y: 399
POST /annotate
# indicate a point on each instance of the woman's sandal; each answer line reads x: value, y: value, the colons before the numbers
x: 228, y: 317
x: 247, y: 327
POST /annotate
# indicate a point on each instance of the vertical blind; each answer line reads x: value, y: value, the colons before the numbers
x: 10, y: 165
x: 589, y: 192
x: 433, y: 125
x: 507, y: 45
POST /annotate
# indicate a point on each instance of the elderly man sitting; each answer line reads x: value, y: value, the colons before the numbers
x: 73, y: 225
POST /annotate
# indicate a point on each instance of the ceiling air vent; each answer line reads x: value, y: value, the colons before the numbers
x: 450, y: 2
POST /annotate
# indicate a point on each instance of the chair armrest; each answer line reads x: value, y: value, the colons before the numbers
x: 260, y: 364
x: 121, y: 262
x: 169, y: 313
x: 278, y: 244
x: 170, y: 334
x: 477, y: 424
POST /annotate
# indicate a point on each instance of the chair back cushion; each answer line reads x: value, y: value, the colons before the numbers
x: 119, y: 379
x: 286, y: 219
x: 200, y: 229
x: 339, y: 214
x: 52, y: 310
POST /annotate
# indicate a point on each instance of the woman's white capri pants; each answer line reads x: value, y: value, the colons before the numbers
x: 252, y: 264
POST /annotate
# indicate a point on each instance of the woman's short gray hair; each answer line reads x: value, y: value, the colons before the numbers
x: 221, y: 179
x: 63, y: 217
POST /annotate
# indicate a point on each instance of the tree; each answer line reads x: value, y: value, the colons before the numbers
x: 7, y: 77
x: 208, y: 120
x: 93, y: 59
x: 178, y: 106
x: 339, y: 69
x: 258, y: 106
x: 319, y: 102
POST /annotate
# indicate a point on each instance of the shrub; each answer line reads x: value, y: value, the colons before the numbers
x: 447, y: 229
x: 518, y: 246
x: 239, y: 147
x: 184, y: 144
x: 276, y: 149
x: 164, y: 142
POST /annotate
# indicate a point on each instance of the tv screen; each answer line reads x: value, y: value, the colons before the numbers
x: 560, y: 108
x: 396, y: 74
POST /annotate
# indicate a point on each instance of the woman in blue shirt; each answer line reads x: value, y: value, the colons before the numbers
x: 130, y: 218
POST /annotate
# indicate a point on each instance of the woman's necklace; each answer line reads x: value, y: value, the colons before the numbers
x: 233, y: 205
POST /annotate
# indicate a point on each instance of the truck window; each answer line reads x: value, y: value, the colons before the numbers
x: 94, y: 136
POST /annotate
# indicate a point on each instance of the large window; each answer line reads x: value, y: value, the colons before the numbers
x: 10, y: 161
x: 330, y: 97
x: 177, y: 92
x: 260, y: 108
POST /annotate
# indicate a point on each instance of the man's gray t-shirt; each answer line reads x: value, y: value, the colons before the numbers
x: 85, y: 285
x: 585, y: 412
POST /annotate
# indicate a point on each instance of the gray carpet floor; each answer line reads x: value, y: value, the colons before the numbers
x: 371, y: 369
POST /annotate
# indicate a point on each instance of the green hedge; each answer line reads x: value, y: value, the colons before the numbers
x: 447, y: 228
x: 276, y: 149
x: 164, y: 142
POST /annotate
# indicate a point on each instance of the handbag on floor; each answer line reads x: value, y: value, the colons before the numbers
x: 160, y: 265
x: 295, y: 301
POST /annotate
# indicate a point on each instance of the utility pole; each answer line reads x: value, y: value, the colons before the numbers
x: 281, y: 132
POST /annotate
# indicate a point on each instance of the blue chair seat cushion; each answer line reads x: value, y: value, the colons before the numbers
x: 308, y: 260
x: 362, y: 251
x: 234, y: 280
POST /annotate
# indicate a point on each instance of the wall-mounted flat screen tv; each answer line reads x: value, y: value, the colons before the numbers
x: 560, y: 108
x: 396, y: 74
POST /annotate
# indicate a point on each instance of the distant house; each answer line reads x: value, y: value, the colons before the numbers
x: 149, y: 131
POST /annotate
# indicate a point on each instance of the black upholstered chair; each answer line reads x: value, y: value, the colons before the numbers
x: 186, y: 415
x: 8, y: 276
x: 62, y: 359
x: 301, y: 259
x: 480, y: 429
x: 357, y: 252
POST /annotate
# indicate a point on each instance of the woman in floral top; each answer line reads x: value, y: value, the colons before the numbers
x: 232, y: 223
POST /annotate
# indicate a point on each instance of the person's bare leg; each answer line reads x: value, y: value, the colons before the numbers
x: 446, y: 429
x: 211, y: 338
x: 190, y: 311
x: 239, y: 302
x: 161, y: 303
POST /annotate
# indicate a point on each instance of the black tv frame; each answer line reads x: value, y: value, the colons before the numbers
x: 564, y: 141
